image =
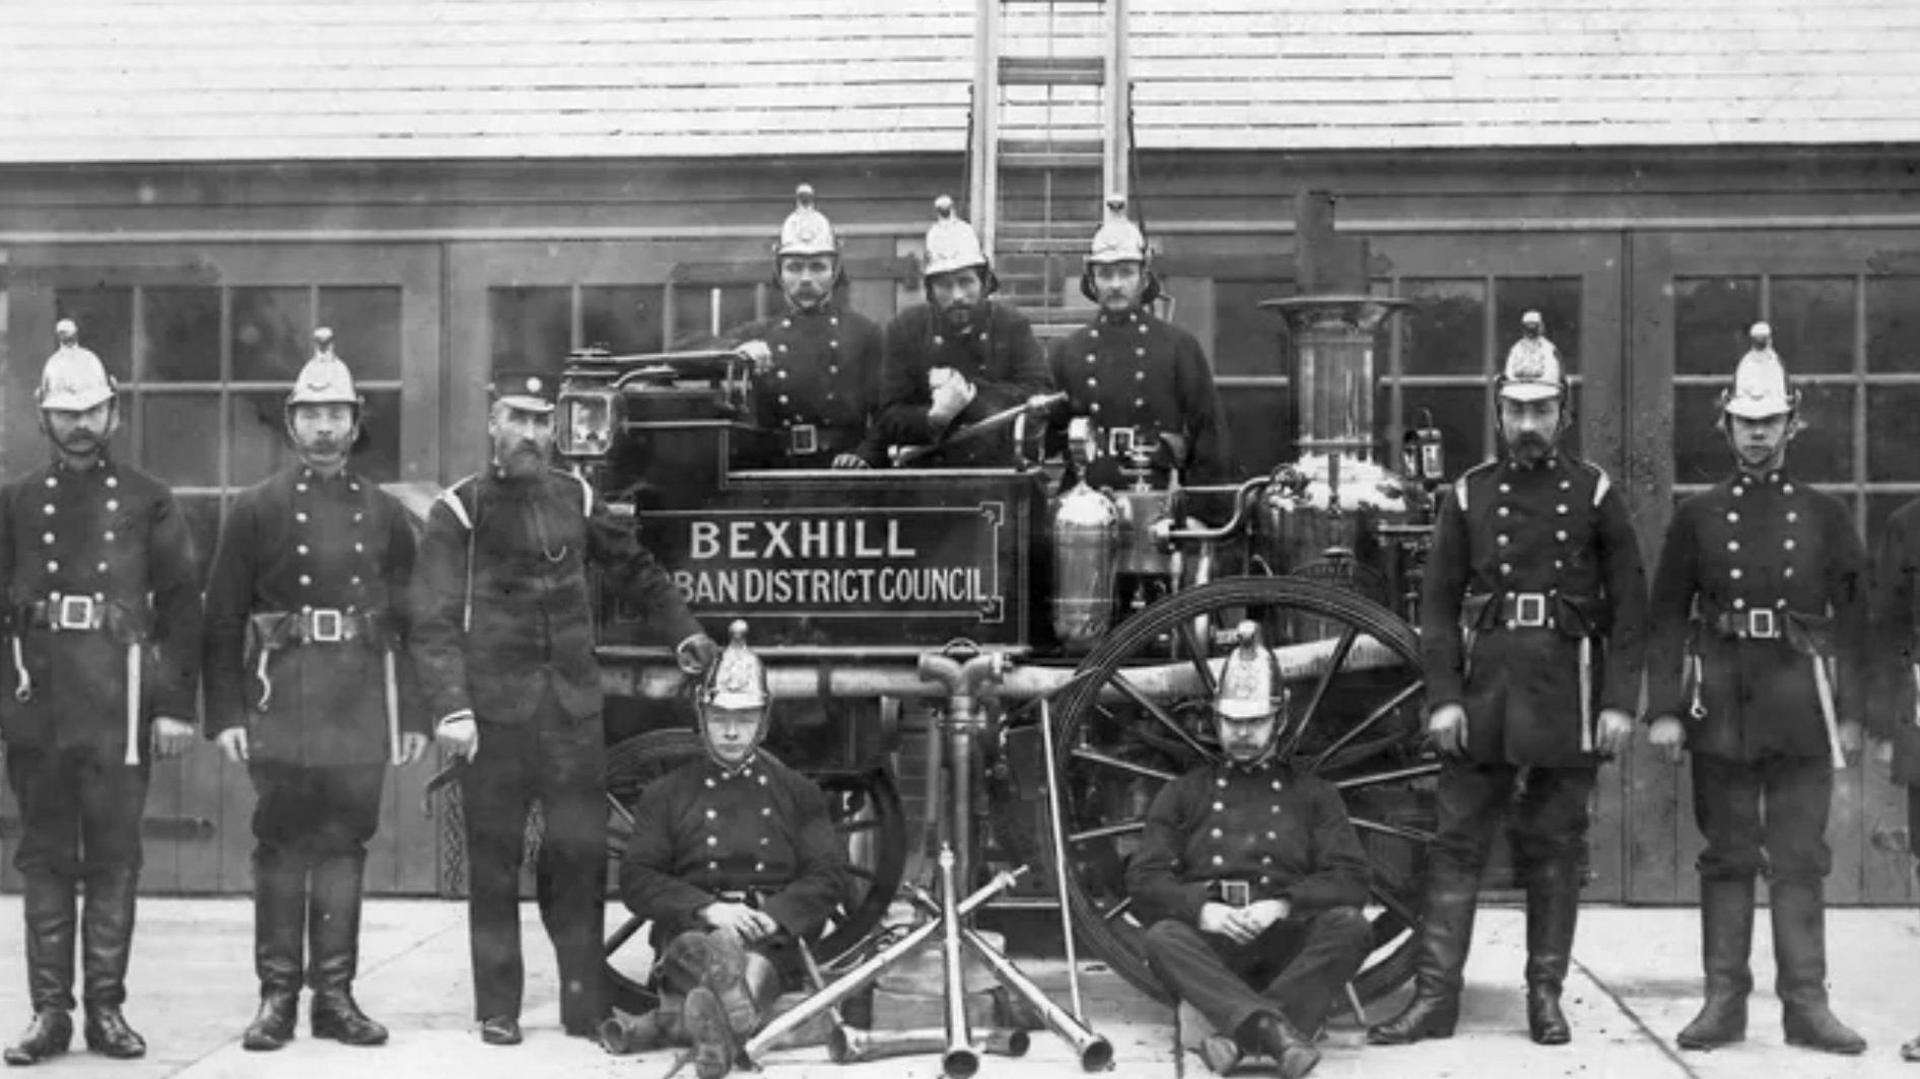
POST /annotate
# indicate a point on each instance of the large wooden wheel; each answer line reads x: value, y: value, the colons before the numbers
x: 1354, y: 720
x: 866, y: 810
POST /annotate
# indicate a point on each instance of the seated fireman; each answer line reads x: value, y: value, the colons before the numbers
x: 733, y: 859
x: 961, y: 356
x: 1250, y: 877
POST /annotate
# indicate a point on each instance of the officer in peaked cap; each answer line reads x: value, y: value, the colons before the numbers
x: 1533, y: 624
x: 817, y: 362
x: 1144, y: 383
x: 102, y: 617
x: 733, y: 859
x: 1761, y: 585
x: 309, y: 686
x: 502, y: 638
x: 961, y: 356
x: 1250, y: 878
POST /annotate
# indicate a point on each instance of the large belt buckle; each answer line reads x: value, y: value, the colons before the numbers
x: 1529, y: 609
x: 1762, y: 624
x: 1236, y: 893
x: 326, y: 625
x: 1121, y: 440
x: 76, y: 612
x: 803, y: 439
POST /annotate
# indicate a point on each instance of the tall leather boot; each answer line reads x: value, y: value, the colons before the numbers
x: 1444, y: 938
x: 106, y: 930
x: 333, y: 925
x: 49, y: 908
x: 1726, y: 941
x: 1553, y: 909
x: 1800, y: 953
x: 279, y: 946
x: 622, y: 1034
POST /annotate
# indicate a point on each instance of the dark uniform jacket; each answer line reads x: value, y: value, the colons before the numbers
x: 825, y: 374
x: 1558, y: 534
x: 301, y: 541
x: 1147, y: 374
x: 492, y: 634
x: 115, y: 535
x: 1761, y: 543
x: 1002, y: 359
x: 1285, y: 833
x: 702, y: 831
x: 1894, y: 640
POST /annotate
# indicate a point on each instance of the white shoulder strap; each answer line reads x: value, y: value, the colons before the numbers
x: 450, y: 498
x: 1601, y: 487
x: 1460, y: 492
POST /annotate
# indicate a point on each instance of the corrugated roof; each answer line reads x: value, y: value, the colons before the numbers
x: 179, y: 80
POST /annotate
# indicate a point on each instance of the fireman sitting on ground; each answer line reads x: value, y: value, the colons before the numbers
x: 735, y: 861
x: 959, y: 358
x: 1249, y: 877
x: 1143, y: 383
x: 817, y: 364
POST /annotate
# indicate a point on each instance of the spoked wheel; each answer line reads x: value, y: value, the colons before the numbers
x: 1139, y: 715
x: 866, y: 810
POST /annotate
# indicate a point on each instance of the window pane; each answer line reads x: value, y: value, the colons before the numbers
x: 177, y: 438
x: 1879, y: 508
x: 182, y: 327
x: 1711, y: 316
x: 1246, y: 339
x: 1460, y: 412
x: 366, y: 328
x: 202, y: 514
x: 1558, y: 301
x: 270, y: 333
x: 1446, y: 327
x: 105, y: 319
x: 1893, y: 433
x: 1893, y: 324
x: 1257, y: 425
x: 623, y: 319
x: 258, y: 440
x: 702, y: 312
x: 1812, y: 320
x: 1700, y: 453
x: 532, y: 328
x: 377, y: 457
x: 1823, y: 452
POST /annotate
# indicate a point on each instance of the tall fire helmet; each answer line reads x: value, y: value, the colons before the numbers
x: 325, y: 379
x: 736, y: 682
x: 951, y: 243
x: 1118, y: 239
x: 806, y: 231
x: 1533, y: 371
x: 1251, y: 689
x: 73, y: 378
x: 1759, y: 389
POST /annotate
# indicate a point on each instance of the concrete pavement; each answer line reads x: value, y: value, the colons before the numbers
x: 1635, y: 984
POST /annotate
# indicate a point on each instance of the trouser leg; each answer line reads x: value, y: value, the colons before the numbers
x: 48, y: 857
x: 349, y: 801
x: 1550, y: 843
x: 1331, y: 946
x: 495, y: 791
x: 1798, y: 793
x: 572, y: 868
x: 1201, y: 970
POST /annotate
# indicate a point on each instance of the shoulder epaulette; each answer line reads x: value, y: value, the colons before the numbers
x: 586, y: 490
x: 457, y: 502
x: 1602, y: 483
x: 1460, y: 484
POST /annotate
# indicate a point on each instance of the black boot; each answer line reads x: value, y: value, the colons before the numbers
x: 279, y: 944
x: 49, y: 908
x: 1800, y: 953
x: 710, y: 1034
x: 622, y: 1034
x: 1271, y: 1034
x: 1444, y: 937
x: 1553, y: 909
x: 333, y: 923
x: 48, y: 1035
x: 106, y: 931
x: 1726, y: 940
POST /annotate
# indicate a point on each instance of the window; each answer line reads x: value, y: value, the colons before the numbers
x: 535, y: 327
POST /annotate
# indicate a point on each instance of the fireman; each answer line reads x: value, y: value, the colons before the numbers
x: 817, y: 363
x: 1533, y: 623
x: 305, y: 668
x: 1894, y: 638
x: 1761, y: 585
x: 959, y: 357
x: 103, y: 621
x: 1250, y: 878
x: 733, y: 859
x: 1144, y: 382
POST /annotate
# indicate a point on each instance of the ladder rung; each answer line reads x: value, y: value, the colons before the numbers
x: 1052, y: 161
x: 1042, y: 245
x: 1053, y: 71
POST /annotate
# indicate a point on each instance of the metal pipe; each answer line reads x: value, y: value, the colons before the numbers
x: 1096, y: 1053
x: 855, y: 1046
x: 816, y: 981
x: 959, y: 1061
x: 1056, y: 830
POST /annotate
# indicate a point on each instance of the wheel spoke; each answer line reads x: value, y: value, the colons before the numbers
x: 1094, y: 756
x: 1108, y: 831
x: 1347, y: 738
x: 1196, y: 654
x: 1426, y: 768
x: 868, y: 824
x: 1117, y: 909
x: 1125, y: 685
x: 1334, y: 663
x: 623, y: 934
x: 1412, y: 835
x: 863, y: 873
x: 621, y: 811
x: 1398, y: 906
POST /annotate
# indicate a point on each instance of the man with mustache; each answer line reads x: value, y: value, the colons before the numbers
x: 503, y: 639
x: 1144, y: 383
x: 961, y: 356
x: 306, y: 654
x: 817, y: 363
x: 99, y: 572
x: 1532, y: 636
x: 1761, y: 586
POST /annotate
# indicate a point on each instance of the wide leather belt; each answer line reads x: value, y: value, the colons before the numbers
x: 323, y: 625
x: 1754, y: 623
x: 1526, y: 610
x: 1121, y: 441
x: 68, y: 614
x: 1234, y: 893
x: 803, y: 440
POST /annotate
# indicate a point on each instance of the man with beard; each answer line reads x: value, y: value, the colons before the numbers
x: 305, y: 670
x: 1532, y: 636
x: 1894, y: 639
x: 817, y: 364
x: 961, y: 356
x: 1144, y: 383
x: 1250, y: 878
x: 103, y: 616
x: 503, y: 639
x: 1761, y: 587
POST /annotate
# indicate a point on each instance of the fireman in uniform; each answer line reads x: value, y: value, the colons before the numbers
x: 103, y: 622
x: 817, y: 364
x: 1761, y: 586
x: 502, y: 637
x: 1894, y: 636
x: 733, y: 858
x: 961, y: 356
x: 1533, y: 635
x: 1144, y: 382
x: 305, y: 667
x: 1250, y: 879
